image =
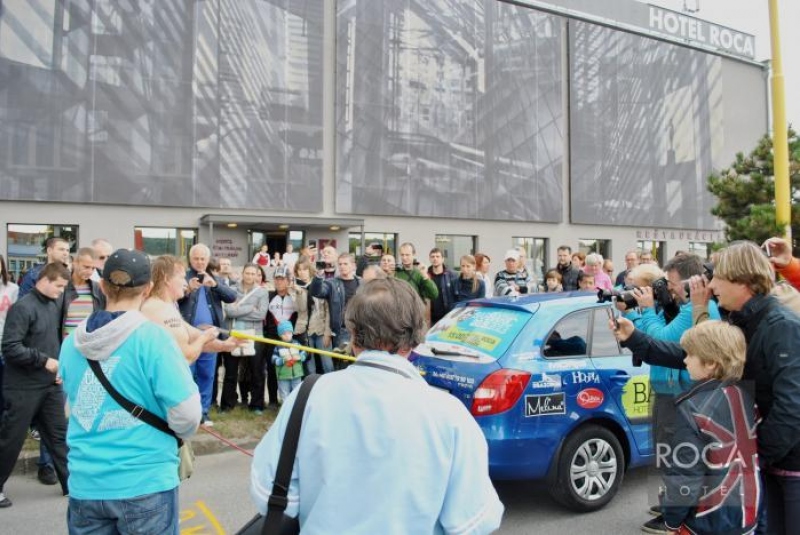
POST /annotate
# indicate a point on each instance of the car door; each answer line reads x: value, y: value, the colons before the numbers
x: 626, y: 384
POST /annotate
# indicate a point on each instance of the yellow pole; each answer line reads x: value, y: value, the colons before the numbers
x: 780, y: 141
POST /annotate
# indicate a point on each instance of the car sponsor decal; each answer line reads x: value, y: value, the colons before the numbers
x: 552, y: 380
x: 590, y: 398
x: 581, y: 377
x: 488, y: 330
x: 448, y: 376
x: 636, y: 398
x: 545, y: 405
x: 566, y: 365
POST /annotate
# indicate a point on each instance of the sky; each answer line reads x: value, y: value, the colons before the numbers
x: 752, y: 16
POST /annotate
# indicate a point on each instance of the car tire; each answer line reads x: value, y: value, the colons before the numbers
x: 589, y: 469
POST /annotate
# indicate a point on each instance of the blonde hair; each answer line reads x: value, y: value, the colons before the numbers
x: 646, y: 272
x: 720, y: 343
x: 744, y: 263
x: 162, y: 270
x: 476, y: 282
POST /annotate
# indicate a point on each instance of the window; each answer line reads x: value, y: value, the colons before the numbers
x: 453, y: 248
x: 156, y: 241
x: 595, y: 246
x: 603, y: 342
x: 26, y: 244
x: 701, y: 249
x: 657, y: 249
x: 535, y: 253
x: 387, y: 239
x: 568, y: 339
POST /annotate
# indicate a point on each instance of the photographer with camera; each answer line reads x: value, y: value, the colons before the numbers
x: 665, y: 382
x: 743, y: 281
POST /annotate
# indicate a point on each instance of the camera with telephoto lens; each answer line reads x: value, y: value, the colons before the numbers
x: 708, y: 273
x: 625, y: 296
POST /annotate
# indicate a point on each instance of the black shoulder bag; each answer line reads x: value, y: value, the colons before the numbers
x: 186, y: 466
x: 276, y: 522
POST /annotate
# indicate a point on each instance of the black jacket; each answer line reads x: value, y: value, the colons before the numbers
x: 569, y: 276
x: 693, y: 461
x: 445, y: 282
x: 32, y: 334
x: 773, y: 364
x: 214, y: 297
x: 332, y: 290
x: 70, y: 294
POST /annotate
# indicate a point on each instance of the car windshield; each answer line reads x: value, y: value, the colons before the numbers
x: 488, y: 330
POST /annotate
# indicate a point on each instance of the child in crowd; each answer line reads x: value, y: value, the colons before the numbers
x: 553, y: 281
x: 288, y: 361
x: 586, y: 282
x: 711, y: 472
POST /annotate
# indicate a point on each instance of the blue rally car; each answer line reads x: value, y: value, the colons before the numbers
x: 550, y: 387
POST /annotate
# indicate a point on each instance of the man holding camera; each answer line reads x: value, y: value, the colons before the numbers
x: 202, y: 305
x: 742, y: 282
x: 666, y: 383
x: 337, y: 292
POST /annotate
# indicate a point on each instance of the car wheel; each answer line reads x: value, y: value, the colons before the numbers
x: 589, y: 469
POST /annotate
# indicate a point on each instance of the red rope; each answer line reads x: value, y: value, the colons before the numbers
x: 225, y: 440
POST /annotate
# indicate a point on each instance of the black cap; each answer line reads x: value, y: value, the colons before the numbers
x: 135, y: 263
x: 376, y: 245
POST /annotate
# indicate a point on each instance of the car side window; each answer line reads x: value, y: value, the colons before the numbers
x: 604, y: 344
x: 568, y: 338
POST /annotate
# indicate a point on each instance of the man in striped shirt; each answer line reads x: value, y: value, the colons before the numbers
x: 82, y: 295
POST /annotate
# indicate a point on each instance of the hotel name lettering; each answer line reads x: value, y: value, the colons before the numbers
x: 690, y: 235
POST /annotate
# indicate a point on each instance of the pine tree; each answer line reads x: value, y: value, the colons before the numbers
x: 745, y: 193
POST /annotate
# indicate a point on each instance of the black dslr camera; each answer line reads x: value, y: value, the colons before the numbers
x: 624, y: 296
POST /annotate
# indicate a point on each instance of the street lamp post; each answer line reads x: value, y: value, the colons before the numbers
x: 780, y: 142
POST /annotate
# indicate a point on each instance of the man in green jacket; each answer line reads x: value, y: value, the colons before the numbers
x: 408, y: 272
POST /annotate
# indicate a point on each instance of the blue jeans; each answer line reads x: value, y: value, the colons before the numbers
x: 285, y: 387
x: 318, y: 341
x: 151, y: 513
x: 203, y: 372
x: 782, y: 496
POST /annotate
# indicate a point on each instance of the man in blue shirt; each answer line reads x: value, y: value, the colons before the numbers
x: 202, y: 305
x: 380, y: 451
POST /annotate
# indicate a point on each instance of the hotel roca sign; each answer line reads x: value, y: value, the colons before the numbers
x: 692, y: 29
x: 638, y: 17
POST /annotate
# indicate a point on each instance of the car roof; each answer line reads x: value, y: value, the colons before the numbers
x: 532, y: 302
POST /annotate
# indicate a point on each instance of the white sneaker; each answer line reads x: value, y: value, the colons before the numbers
x: 208, y: 423
x: 4, y: 502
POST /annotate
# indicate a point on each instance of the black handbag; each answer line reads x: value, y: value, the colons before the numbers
x: 276, y: 522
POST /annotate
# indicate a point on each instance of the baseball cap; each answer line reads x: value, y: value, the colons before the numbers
x: 285, y: 326
x: 376, y: 245
x: 281, y: 271
x: 511, y: 254
x: 134, y: 263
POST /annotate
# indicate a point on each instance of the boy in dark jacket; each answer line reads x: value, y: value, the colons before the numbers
x: 710, y: 464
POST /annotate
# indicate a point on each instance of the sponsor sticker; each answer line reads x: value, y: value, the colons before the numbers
x: 552, y: 380
x: 590, y: 398
x: 636, y: 398
x: 580, y: 377
x: 545, y: 405
x: 566, y: 365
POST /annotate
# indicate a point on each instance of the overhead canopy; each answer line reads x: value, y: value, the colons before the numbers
x: 279, y: 223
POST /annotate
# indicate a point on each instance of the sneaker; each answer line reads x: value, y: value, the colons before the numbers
x: 207, y: 423
x: 655, y: 510
x: 655, y: 525
x: 47, y: 475
x: 4, y: 502
x: 35, y: 435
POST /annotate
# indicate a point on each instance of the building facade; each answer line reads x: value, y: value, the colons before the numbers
x: 469, y: 126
